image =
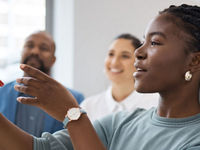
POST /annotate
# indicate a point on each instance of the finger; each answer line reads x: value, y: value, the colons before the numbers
x: 28, y: 100
x: 33, y: 72
x: 29, y: 81
x: 26, y: 90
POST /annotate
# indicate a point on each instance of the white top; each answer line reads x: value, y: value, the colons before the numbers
x: 103, y: 104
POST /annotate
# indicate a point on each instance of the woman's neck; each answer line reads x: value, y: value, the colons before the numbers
x: 122, y: 90
x: 179, y: 103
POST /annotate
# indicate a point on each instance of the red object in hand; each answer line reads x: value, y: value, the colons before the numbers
x: 1, y: 83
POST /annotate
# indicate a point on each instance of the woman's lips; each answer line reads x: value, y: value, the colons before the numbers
x: 140, y: 69
x: 139, y: 72
x: 116, y: 71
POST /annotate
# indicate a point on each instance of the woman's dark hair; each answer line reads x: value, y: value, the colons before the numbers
x: 190, y: 23
x: 135, y: 41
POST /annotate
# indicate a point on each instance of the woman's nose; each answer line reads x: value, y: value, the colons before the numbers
x: 115, y: 61
x: 140, y: 53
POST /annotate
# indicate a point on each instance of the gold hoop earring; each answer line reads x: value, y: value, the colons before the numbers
x: 188, y: 76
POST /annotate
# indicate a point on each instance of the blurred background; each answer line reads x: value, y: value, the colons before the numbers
x: 82, y: 30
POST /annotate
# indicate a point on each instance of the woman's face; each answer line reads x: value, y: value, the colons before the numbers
x: 161, y: 61
x: 119, y: 61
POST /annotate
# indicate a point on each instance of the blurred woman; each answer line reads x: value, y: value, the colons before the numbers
x: 119, y: 69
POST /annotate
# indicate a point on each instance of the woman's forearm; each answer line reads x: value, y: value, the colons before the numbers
x: 53, y: 98
x: 13, y: 138
x: 83, y: 135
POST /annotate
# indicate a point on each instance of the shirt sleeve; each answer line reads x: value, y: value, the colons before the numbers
x: 105, y: 129
x: 194, y: 148
x: 59, y: 140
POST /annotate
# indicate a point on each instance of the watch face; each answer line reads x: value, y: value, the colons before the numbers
x: 73, y: 113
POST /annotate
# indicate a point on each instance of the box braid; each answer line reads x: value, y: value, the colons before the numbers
x: 190, y: 16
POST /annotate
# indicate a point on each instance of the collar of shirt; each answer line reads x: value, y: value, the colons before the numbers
x: 126, y: 104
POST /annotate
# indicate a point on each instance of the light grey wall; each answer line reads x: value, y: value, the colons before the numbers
x: 94, y: 24
x: 97, y: 22
x: 63, y: 33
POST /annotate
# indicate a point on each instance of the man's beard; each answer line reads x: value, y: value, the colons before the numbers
x: 41, y: 63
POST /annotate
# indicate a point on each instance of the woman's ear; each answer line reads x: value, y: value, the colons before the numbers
x: 195, y: 62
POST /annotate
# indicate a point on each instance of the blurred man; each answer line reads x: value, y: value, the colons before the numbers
x: 39, y: 52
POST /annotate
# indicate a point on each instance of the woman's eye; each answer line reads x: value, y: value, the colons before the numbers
x: 125, y: 56
x: 110, y: 54
x: 153, y: 43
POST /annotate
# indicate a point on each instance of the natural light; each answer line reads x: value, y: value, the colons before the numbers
x: 18, y: 18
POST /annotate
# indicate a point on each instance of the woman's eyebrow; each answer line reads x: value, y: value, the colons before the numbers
x: 158, y: 33
x: 126, y: 52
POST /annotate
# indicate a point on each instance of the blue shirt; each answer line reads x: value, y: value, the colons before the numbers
x: 30, y: 118
x: 19, y: 113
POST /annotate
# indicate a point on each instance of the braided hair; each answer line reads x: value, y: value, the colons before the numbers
x: 134, y: 41
x: 190, y: 23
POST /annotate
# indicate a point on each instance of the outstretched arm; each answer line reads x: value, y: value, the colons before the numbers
x: 53, y: 98
x: 11, y: 137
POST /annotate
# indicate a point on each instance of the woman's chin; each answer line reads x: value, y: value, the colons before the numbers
x: 143, y: 88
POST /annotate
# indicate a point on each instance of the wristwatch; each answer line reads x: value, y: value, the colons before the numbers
x: 72, y: 115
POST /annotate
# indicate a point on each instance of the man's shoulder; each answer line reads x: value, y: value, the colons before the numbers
x: 78, y: 95
x: 75, y: 92
x: 8, y: 94
x: 9, y: 85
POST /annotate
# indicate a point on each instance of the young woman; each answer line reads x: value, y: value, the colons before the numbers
x: 119, y: 69
x: 168, y: 62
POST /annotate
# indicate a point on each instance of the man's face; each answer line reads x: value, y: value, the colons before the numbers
x: 38, y: 52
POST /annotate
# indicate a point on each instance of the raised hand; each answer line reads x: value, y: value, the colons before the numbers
x: 53, y: 98
x: 46, y: 93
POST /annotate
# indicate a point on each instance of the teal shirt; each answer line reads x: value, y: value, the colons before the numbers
x: 139, y: 130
